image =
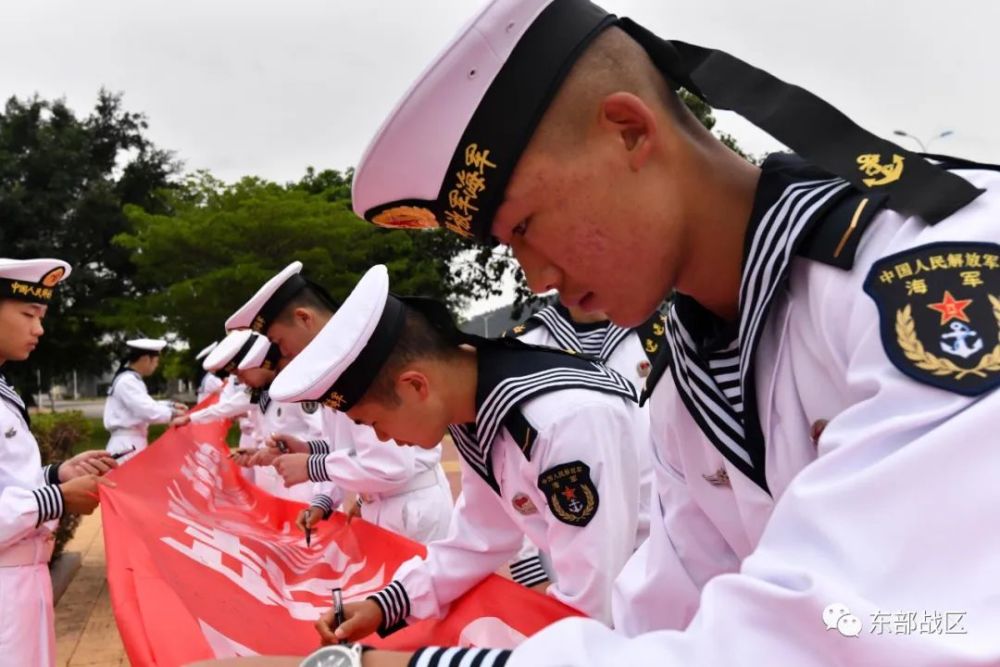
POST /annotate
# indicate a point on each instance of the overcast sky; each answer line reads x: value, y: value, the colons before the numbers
x: 268, y: 87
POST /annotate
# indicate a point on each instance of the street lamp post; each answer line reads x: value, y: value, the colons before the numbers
x: 923, y: 147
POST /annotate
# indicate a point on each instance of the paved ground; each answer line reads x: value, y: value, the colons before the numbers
x: 86, y: 634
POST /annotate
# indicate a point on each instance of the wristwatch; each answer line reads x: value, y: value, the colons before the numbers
x: 341, y: 655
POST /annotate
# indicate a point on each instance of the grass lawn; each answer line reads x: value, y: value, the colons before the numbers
x: 99, y: 437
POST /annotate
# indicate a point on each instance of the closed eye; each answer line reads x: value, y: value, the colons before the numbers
x: 522, y: 228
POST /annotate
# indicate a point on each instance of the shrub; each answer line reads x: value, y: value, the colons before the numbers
x: 58, y: 434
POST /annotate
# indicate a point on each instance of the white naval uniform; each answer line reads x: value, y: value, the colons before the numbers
x: 129, y: 411
x: 233, y: 403
x: 304, y: 421
x: 210, y: 383
x: 888, y: 513
x: 620, y: 349
x: 30, y: 505
x: 404, y: 489
x: 503, y: 499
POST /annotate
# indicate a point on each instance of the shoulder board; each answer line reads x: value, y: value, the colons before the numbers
x: 522, y: 328
x: 653, y: 335
x: 834, y: 238
x: 523, y: 433
x: 659, y: 366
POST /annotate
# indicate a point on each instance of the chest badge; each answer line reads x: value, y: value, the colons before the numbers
x: 939, y: 311
x: 10, y: 433
x: 642, y: 368
x: 571, y: 494
x: 522, y: 503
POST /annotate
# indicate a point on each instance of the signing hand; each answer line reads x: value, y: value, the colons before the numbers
x: 360, y: 620
x: 293, y: 445
x: 308, y: 518
x: 93, y: 462
x: 243, y: 457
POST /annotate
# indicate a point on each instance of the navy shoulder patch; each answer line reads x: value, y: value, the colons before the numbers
x: 570, y: 493
x: 309, y: 407
x: 939, y: 312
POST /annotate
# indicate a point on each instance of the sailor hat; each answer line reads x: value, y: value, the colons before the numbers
x: 445, y: 154
x: 31, y: 280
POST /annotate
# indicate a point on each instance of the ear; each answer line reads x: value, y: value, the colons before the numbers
x: 303, y: 315
x: 413, y: 383
x: 634, y: 123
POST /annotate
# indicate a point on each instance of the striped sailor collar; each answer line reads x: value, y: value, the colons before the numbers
x: 510, y: 373
x: 570, y: 334
x: 791, y: 196
x: 8, y: 394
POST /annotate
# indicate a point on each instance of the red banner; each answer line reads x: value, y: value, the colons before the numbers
x: 203, y: 564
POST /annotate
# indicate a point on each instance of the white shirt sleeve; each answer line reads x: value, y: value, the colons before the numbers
x: 586, y: 559
x: 26, y: 501
x: 361, y: 463
x: 234, y: 401
x: 134, y: 396
x: 481, y: 538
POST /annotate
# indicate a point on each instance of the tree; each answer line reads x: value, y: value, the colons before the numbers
x: 63, y: 183
x: 215, y: 244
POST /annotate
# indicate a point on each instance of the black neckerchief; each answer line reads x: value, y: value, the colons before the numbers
x: 510, y: 373
x: 261, y: 398
x: 8, y: 394
x: 791, y: 198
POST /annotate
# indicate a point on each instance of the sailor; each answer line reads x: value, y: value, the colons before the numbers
x: 827, y: 278
x: 32, y: 497
x: 252, y: 359
x: 400, y: 489
x: 209, y: 383
x: 542, y: 434
x: 631, y: 352
x: 129, y: 409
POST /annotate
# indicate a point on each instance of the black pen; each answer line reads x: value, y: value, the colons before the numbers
x: 338, y: 609
x: 308, y: 534
x: 118, y: 455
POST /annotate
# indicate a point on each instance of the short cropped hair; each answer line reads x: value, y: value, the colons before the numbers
x: 311, y: 298
x: 418, y: 340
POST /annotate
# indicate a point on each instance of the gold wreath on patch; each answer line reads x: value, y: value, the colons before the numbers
x: 906, y: 336
x: 406, y: 217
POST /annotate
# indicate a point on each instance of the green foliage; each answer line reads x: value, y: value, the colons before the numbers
x: 63, y: 182
x: 215, y: 244
x: 59, y: 434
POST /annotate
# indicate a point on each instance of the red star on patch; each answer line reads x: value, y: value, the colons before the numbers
x: 569, y: 493
x: 951, y: 308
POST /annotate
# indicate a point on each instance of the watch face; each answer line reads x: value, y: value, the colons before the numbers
x: 333, y: 656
